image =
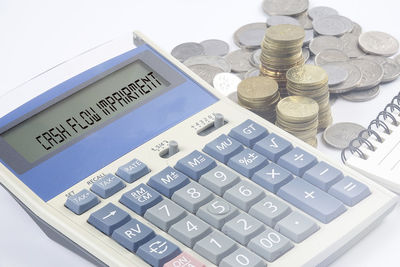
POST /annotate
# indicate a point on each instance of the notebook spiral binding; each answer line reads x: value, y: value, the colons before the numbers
x: 379, y: 122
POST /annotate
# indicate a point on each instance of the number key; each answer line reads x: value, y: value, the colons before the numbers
x: 215, y: 247
x: 242, y: 257
x: 244, y: 195
x: 242, y: 228
x: 189, y: 230
x: 192, y: 196
x: 217, y: 212
x: 164, y: 214
x: 269, y: 210
x: 219, y: 180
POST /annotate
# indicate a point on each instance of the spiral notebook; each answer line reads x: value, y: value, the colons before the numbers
x: 376, y: 151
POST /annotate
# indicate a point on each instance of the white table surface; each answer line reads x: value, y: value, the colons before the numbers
x: 36, y: 35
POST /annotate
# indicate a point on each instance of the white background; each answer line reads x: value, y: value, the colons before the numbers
x: 36, y: 35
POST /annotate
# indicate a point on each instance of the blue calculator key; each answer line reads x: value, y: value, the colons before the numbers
x: 323, y: 175
x: 168, y: 181
x: 158, y: 251
x: 223, y: 148
x: 349, y: 191
x: 311, y: 200
x: 141, y: 198
x: 297, y: 161
x: 132, y: 171
x: 247, y: 162
x: 132, y: 235
x: 107, y: 186
x: 272, y: 177
x: 82, y: 201
x: 248, y: 133
x: 195, y: 165
x: 273, y: 146
x: 108, y: 218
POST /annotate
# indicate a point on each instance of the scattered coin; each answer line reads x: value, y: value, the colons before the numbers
x: 215, y: 61
x: 186, y: 50
x: 206, y: 72
x: 352, y: 81
x: 304, y: 20
x: 372, y: 73
x: 357, y: 30
x: 321, y: 43
x: 321, y: 12
x: 391, y: 70
x: 332, y: 99
x: 214, y: 47
x: 255, y: 58
x: 378, y: 43
x: 334, y: 25
x: 330, y: 55
x: 336, y: 74
x: 397, y: 59
x: 308, y: 37
x: 252, y: 73
x: 306, y: 54
x: 339, y: 135
x: 277, y: 20
x: 226, y: 83
x: 362, y: 96
x: 351, y: 47
x: 285, y: 7
x: 250, y: 35
x: 239, y: 60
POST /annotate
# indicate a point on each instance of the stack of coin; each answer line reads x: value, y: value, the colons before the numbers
x: 298, y: 115
x: 281, y: 50
x: 259, y: 95
x: 311, y: 81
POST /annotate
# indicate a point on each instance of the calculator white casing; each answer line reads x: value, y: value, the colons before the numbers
x: 321, y: 248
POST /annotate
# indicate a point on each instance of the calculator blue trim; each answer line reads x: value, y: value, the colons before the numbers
x: 100, y: 148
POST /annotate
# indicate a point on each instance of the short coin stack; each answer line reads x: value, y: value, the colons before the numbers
x: 311, y: 81
x: 259, y: 95
x: 281, y: 50
x: 298, y: 115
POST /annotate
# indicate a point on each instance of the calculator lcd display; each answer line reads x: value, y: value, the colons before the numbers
x: 81, y: 112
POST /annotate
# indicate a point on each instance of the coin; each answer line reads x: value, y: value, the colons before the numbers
x: 250, y: 35
x: 214, y: 47
x: 304, y: 20
x: 255, y: 58
x: 226, y: 83
x: 252, y: 73
x: 215, y: 61
x: 332, y: 99
x: 307, y: 75
x: 306, y: 53
x: 285, y: 7
x: 239, y: 60
x: 334, y: 25
x: 352, y: 81
x: 186, y: 50
x: 357, y: 30
x: 298, y: 108
x: 391, y: 70
x: 372, y: 73
x: 308, y: 37
x: 378, y: 43
x: 362, y: 96
x: 321, y: 12
x: 397, y: 59
x: 339, y: 135
x: 330, y: 55
x: 206, y: 72
x: 336, y: 74
x: 351, y: 47
x: 277, y: 20
x: 321, y: 43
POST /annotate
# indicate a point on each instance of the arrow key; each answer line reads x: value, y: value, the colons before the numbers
x: 108, y: 218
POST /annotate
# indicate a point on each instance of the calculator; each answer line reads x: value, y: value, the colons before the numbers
x: 128, y: 158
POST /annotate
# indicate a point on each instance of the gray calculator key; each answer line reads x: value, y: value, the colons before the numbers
x: 272, y: 177
x: 297, y: 161
x: 312, y: 200
x: 192, y: 196
x: 349, y: 191
x: 219, y: 180
x: 296, y: 226
x: 270, y: 245
x: 247, y: 162
x: 273, y: 146
x: 248, y: 133
x: 242, y: 228
x: 215, y: 246
x: 164, y: 214
x: 195, y: 165
x: 132, y: 171
x: 81, y: 201
x: 242, y: 257
x: 107, y: 186
x: 270, y: 210
x: 108, y: 218
x: 323, y: 175
x: 223, y: 148
x: 217, y: 212
x: 244, y: 195
x: 189, y: 230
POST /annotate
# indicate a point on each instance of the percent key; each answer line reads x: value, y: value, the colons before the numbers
x: 247, y: 162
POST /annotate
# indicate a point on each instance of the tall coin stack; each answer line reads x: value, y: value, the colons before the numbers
x: 281, y: 50
x: 311, y: 81
x: 259, y: 95
x: 298, y: 115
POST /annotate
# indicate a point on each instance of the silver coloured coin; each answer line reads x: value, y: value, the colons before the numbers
x: 186, y: 50
x: 362, y: 96
x: 352, y: 81
x: 334, y: 25
x: 339, y: 135
x: 226, y: 83
x: 277, y: 20
x: 239, y: 60
x: 252, y: 73
x: 332, y: 99
x: 330, y: 55
x: 250, y: 36
x: 391, y: 70
x: 357, y: 30
x: 215, y: 61
x: 304, y: 20
x: 372, y: 73
x: 378, y: 43
x: 306, y: 53
x: 285, y: 7
x: 336, y: 74
x: 309, y: 35
x: 241, y: 75
x: 397, y: 59
x: 321, y: 12
x: 255, y: 58
x: 206, y: 72
x: 214, y: 47
x: 320, y: 43
x: 351, y: 47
